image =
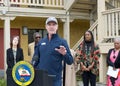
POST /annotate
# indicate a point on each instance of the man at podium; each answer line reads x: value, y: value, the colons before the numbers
x: 51, y: 51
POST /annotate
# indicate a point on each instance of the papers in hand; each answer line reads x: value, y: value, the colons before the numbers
x: 111, y: 72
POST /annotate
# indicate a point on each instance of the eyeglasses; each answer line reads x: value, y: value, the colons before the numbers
x: 37, y: 37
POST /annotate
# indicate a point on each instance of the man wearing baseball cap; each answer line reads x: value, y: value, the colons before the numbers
x: 51, y: 19
x: 52, y: 50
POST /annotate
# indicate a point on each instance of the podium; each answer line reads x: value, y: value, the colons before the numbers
x: 41, y: 79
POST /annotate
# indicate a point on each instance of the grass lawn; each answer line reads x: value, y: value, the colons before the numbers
x: 2, y: 82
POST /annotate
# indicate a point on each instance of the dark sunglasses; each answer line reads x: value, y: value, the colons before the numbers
x: 37, y: 37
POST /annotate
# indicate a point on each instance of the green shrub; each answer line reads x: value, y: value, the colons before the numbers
x: 2, y: 82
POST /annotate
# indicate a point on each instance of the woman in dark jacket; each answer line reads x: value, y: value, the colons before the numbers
x: 113, y: 60
x: 14, y: 53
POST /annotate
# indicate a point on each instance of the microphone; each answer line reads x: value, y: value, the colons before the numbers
x: 34, y: 60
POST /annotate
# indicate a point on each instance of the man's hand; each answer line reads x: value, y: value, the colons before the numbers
x: 62, y: 50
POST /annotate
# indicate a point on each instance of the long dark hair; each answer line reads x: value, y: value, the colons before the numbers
x: 11, y: 42
x: 91, y: 42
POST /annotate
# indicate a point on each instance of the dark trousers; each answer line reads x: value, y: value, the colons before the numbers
x: 89, y: 77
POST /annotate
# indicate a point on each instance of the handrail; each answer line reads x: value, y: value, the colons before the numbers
x: 41, y: 3
x: 2, y: 2
x: 112, y: 23
x: 111, y: 11
x: 111, y: 4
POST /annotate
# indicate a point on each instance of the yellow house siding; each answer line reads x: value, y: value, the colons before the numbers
x: 1, y: 24
x: 36, y: 23
x: 60, y: 29
x: 78, y: 27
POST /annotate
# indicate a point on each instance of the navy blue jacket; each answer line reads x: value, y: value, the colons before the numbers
x: 49, y: 59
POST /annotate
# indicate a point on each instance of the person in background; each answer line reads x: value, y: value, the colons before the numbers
x: 113, y: 60
x: 14, y: 55
x: 52, y: 50
x: 31, y: 46
x: 87, y: 55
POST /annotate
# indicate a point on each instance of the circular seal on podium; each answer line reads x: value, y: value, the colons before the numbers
x: 23, y: 73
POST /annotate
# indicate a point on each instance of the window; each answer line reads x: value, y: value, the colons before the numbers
x: 43, y: 33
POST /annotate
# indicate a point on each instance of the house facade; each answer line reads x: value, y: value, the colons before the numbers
x: 24, y: 17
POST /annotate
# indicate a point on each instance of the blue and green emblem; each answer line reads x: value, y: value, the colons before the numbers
x: 23, y: 73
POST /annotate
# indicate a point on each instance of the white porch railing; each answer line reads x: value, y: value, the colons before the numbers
x: 94, y: 29
x: 1, y: 1
x: 112, y: 23
x: 114, y: 3
x: 45, y: 3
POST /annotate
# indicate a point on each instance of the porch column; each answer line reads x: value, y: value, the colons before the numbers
x: 66, y: 28
x: 6, y: 38
x: 7, y: 2
x: 100, y: 38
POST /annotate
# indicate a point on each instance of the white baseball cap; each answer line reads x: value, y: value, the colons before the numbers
x: 51, y: 19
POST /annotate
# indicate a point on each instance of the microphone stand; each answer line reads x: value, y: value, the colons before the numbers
x: 64, y: 73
